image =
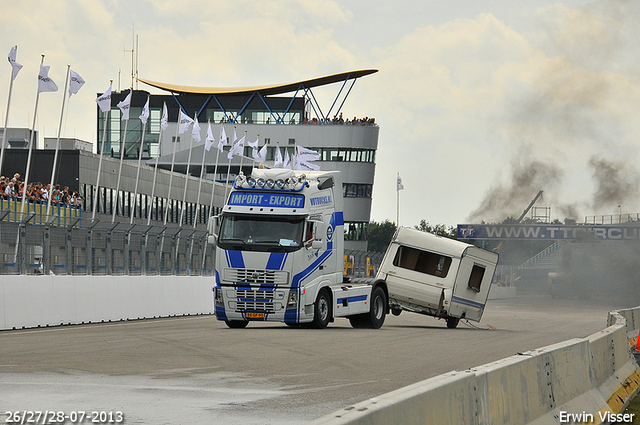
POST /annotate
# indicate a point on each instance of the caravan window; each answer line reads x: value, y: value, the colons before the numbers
x: 422, y: 261
x: 477, y: 273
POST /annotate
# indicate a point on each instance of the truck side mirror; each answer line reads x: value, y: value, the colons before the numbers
x: 313, y: 235
x: 213, y: 227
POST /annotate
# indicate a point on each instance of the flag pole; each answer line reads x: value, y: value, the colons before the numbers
x: 186, y: 177
x: 213, y: 191
x: 235, y: 138
x: 242, y: 153
x: 173, y: 159
x: 398, y: 186
x: 101, y: 153
x: 135, y: 192
x: 55, y: 156
x: 204, y: 153
x: 155, y: 174
x: 122, y: 149
x: 6, y: 119
x: 31, y: 141
x: 255, y: 150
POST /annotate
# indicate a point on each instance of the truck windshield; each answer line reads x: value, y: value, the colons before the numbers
x: 261, y: 233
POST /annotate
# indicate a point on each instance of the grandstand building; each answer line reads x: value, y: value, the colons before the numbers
x: 279, y: 116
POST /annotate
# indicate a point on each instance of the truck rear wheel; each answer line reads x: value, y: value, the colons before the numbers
x: 322, y: 310
x: 374, y: 319
x: 378, y: 310
x: 452, y: 322
x: 236, y: 324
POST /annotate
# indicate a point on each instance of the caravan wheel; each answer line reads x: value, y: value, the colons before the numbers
x: 452, y: 322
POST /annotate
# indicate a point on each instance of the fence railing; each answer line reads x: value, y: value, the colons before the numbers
x: 11, y: 210
x: 96, y: 248
x: 101, y: 249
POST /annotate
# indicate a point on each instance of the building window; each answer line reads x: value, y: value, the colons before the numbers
x: 355, y: 231
x: 175, y: 139
x: 355, y: 190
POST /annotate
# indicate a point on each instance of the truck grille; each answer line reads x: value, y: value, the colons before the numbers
x: 245, y: 294
x: 255, y: 306
x: 256, y: 276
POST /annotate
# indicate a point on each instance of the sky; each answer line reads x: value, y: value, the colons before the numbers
x: 481, y: 104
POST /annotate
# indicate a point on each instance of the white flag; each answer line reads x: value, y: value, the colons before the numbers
x: 262, y: 155
x: 144, y: 116
x: 44, y: 82
x: 223, y: 138
x: 125, y: 107
x: 287, y: 160
x: 75, y: 82
x: 307, y: 155
x: 278, y: 161
x: 195, y: 130
x: 16, y: 67
x: 164, y: 121
x: 306, y: 166
x: 104, y: 101
x: 254, y: 144
x: 185, y: 122
x: 237, y: 148
x: 210, y: 139
x: 399, y: 185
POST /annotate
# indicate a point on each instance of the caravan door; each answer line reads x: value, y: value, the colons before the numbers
x: 473, y: 282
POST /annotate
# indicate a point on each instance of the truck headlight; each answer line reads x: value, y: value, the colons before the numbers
x: 292, y: 302
x: 218, y: 297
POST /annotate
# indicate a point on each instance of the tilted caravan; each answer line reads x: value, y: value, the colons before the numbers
x: 437, y: 276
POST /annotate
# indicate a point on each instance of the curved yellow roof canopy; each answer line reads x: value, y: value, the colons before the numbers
x: 265, y: 90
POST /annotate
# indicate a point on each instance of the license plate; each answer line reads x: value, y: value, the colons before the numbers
x: 255, y: 315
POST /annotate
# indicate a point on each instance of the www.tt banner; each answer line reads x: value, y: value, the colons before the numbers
x: 546, y: 231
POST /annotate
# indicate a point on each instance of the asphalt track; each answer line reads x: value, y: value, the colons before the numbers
x: 194, y: 370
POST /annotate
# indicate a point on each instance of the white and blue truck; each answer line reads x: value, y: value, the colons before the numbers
x: 279, y: 244
x: 279, y: 254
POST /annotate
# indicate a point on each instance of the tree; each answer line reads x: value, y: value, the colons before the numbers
x: 380, y: 235
x: 450, y: 232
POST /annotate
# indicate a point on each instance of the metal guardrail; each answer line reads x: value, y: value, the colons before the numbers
x: 539, y: 256
x: 37, y: 245
x: 612, y: 218
x: 95, y: 248
x: 64, y: 214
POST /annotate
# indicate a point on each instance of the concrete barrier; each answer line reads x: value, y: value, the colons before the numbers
x: 577, y: 381
x: 35, y: 301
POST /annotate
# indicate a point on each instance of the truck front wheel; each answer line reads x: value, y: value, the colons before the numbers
x: 236, y: 324
x: 322, y: 310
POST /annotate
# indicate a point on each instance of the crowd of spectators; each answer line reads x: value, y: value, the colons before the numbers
x: 11, y: 188
x: 339, y: 119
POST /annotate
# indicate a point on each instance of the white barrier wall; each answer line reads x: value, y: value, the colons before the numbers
x: 593, y: 377
x: 34, y: 301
